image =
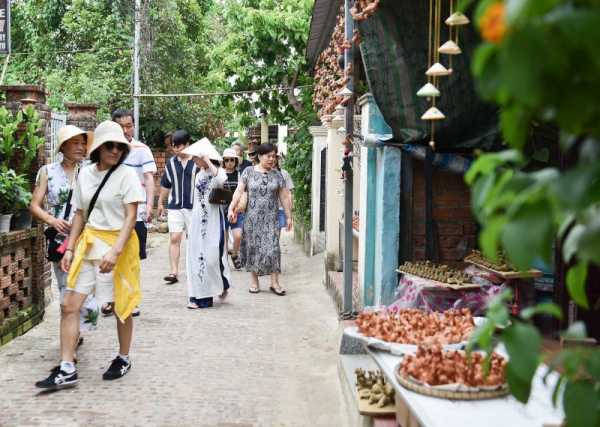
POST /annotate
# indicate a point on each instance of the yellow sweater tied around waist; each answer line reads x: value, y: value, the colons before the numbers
x: 127, y: 270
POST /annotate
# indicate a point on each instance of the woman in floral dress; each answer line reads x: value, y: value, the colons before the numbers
x: 207, y: 268
x: 259, y: 252
x: 54, y: 182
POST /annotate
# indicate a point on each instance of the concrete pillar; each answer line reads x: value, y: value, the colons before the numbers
x: 334, y: 194
x: 375, y: 199
x: 319, y: 134
x: 387, y: 227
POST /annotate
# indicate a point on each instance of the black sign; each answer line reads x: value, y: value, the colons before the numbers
x: 4, y: 27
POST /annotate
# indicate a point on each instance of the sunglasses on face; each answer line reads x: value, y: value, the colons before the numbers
x: 228, y: 160
x: 111, y: 145
x: 251, y: 154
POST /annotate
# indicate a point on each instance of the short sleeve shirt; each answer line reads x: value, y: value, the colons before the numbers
x: 122, y: 187
x: 289, y: 184
x: 141, y: 160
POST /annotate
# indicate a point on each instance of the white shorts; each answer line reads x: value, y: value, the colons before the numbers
x: 179, y: 219
x: 91, y: 282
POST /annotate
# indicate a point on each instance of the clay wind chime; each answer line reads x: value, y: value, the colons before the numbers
x: 437, y: 70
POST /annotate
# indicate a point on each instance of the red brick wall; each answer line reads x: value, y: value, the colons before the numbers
x: 161, y: 156
x: 451, y: 211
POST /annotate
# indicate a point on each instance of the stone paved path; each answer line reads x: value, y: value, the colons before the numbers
x: 257, y: 360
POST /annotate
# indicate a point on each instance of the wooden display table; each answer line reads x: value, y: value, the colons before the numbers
x: 417, y: 410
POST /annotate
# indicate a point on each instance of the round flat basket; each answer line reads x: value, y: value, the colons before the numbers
x: 448, y: 394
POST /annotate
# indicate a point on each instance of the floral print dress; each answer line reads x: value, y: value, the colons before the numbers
x: 57, y: 196
x: 259, y: 250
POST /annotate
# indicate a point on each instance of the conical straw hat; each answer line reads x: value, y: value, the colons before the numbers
x: 428, y: 90
x: 433, y: 114
x: 203, y: 146
x: 437, y: 69
x: 450, y: 48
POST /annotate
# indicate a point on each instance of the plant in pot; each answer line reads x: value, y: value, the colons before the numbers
x: 13, y: 194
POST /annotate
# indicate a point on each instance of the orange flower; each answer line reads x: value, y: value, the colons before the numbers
x: 493, y: 24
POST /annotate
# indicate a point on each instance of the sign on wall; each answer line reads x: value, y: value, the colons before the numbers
x: 4, y: 27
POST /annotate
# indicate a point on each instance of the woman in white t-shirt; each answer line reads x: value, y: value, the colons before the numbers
x: 102, y: 256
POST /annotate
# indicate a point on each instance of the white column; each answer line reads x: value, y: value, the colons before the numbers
x: 319, y: 134
x: 335, y: 198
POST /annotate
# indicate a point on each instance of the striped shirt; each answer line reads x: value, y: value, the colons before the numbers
x: 181, y: 183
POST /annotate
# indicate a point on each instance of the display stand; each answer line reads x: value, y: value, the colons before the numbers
x: 513, y: 278
x: 428, y: 411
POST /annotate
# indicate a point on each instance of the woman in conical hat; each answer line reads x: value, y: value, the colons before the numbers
x: 208, y: 273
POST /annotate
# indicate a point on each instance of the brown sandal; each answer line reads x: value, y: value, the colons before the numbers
x: 278, y: 290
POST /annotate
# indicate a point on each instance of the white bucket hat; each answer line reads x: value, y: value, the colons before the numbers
x: 109, y: 131
x: 230, y: 152
x: 204, y: 146
x: 69, y: 131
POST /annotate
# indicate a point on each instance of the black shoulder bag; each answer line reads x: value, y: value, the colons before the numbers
x: 52, y: 244
x: 220, y: 196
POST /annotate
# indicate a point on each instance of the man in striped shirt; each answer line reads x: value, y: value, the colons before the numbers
x: 178, y: 183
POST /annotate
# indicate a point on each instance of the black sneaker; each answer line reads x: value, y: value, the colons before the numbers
x: 117, y: 369
x: 58, y: 379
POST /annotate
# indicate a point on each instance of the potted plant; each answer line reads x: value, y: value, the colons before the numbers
x: 13, y: 194
x: 21, y: 219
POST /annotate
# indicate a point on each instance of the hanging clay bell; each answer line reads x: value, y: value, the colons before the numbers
x: 428, y: 90
x: 433, y: 114
x: 450, y: 48
x: 437, y: 69
x: 457, y: 18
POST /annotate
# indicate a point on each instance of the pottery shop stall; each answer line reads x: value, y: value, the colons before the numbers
x: 422, y: 357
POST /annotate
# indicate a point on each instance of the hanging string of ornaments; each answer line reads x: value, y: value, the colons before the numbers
x: 329, y: 75
x: 437, y: 70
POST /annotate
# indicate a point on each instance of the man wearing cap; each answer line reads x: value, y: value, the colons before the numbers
x: 178, y: 183
x: 140, y: 158
x: 238, y: 146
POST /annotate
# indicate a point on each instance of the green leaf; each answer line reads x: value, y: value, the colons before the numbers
x: 523, y: 344
x: 592, y: 365
x: 549, y: 308
x: 576, y: 278
x: 581, y: 404
x: 556, y: 391
x: 519, y: 388
x: 528, y: 233
x: 515, y: 125
x: 489, y: 237
x: 589, y: 242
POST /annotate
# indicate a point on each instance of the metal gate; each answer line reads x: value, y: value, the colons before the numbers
x: 57, y: 121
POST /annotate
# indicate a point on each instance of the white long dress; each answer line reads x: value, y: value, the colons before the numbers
x: 207, y: 268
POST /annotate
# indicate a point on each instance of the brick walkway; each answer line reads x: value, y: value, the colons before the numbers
x: 257, y: 360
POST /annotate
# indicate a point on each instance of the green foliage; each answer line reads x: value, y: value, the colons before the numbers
x: 261, y: 45
x: 581, y: 397
x: 543, y: 70
x: 299, y: 165
x: 13, y: 193
x: 173, y: 54
x: 33, y: 142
